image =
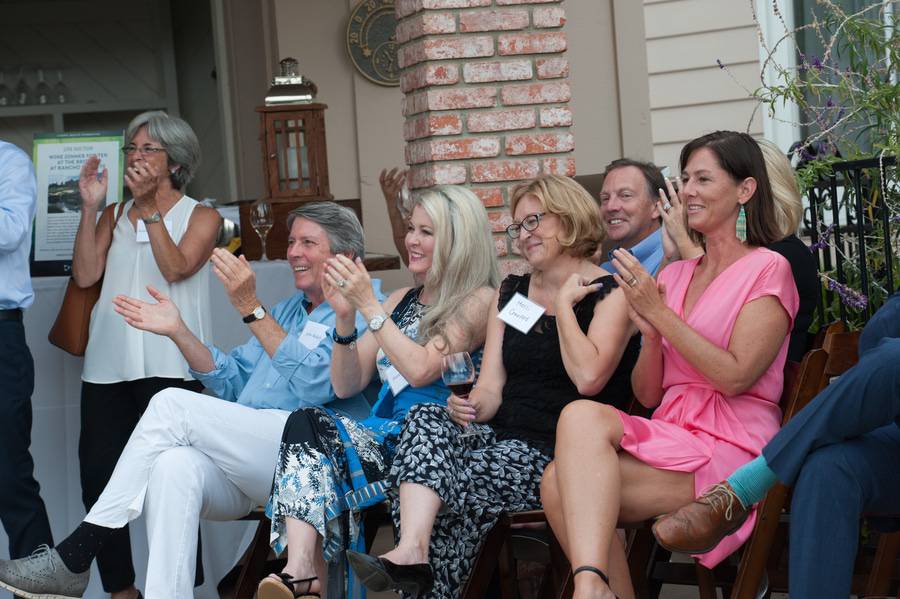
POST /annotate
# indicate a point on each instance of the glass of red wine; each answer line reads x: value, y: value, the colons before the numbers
x: 458, y: 373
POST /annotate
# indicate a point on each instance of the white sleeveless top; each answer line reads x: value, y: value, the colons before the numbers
x: 118, y: 352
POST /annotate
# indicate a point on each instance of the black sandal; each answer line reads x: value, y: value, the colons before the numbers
x: 285, y: 587
x: 593, y: 570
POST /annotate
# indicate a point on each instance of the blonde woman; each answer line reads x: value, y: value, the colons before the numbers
x: 329, y: 464
x: 448, y: 489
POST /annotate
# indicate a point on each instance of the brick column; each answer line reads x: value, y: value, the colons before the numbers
x: 486, y: 94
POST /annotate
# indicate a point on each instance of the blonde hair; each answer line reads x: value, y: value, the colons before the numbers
x: 785, y: 190
x: 464, y: 258
x: 579, y: 214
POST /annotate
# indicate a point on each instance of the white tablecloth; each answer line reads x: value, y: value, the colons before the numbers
x: 54, y: 435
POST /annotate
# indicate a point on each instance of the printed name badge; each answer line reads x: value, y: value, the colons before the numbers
x: 521, y: 313
x: 141, y: 235
x: 395, y: 380
x: 312, y: 334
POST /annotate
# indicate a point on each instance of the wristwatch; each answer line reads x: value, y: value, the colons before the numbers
x: 153, y: 218
x: 258, y: 314
x: 377, y: 322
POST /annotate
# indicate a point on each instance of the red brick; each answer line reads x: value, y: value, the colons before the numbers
x: 501, y: 120
x: 552, y: 68
x: 445, y: 49
x: 404, y: 8
x: 452, y: 149
x: 536, y: 93
x: 485, y: 72
x: 501, y: 246
x: 493, y: 20
x: 428, y: 175
x: 428, y: 125
x: 491, y: 197
x: 556, y: 116
x: 450, y: 99
x: 499, y: 221
x: 559, y: 166
x: 531, y: 43
x: 515, y: 266
x: 425, y: 24
x: 541, y: 143
x: 428, y: 74
x: 549, y: 16
x: 504, y: 170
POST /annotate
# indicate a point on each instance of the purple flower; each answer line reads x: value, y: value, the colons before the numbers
x: 849, y: 297
x: 816, y: 63
x: 895, y: 218
x: 822, y: 243
x: 720, y: 63
x: 830, y: 102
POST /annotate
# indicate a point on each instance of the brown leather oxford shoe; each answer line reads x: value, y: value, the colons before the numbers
x: 699, y: 526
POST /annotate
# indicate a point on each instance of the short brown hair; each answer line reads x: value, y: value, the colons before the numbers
x: 582, y: 227
x: 739, y: 155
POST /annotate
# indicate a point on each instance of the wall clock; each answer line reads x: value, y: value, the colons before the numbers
x: 372, y: 42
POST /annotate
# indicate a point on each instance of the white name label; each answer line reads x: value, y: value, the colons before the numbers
x: 521, y: 313
x: 395, y: 380
x: 141, y: 235
x: 312, y: 334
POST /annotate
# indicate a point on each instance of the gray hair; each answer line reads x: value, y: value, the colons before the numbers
x: 344, y: 231
x: 176, y: 136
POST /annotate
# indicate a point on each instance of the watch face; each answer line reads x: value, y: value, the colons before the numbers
x: 259, y: 313
x: 377, y: 322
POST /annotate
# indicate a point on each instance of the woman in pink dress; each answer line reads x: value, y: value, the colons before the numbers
x: 715, y: 336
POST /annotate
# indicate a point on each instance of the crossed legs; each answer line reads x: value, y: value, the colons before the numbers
x: 591, y: 486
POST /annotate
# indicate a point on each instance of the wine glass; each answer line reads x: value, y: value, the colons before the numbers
x: 458, y: 373
x: 262, y: 219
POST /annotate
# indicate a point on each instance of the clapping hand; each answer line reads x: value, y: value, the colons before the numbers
x: 392, y: 183
x: 351, y: 279
x: 238, y: 278
x: 142, y: 178
x: 677, y: 242
x: 162, y: 318
x: 92, y: 184
x: 645, y: 298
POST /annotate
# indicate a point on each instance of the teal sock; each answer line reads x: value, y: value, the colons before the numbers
x: 751, y: 481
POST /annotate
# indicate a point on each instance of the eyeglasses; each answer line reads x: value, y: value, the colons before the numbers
x: 529, y: 223
x: 146, y: 150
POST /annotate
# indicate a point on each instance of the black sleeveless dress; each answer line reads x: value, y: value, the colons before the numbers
x: 498, y: 470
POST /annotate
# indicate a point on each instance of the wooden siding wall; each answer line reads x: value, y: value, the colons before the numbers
x: 689, y: 94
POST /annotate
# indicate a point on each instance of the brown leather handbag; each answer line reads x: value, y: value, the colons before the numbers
x: 70, y: 331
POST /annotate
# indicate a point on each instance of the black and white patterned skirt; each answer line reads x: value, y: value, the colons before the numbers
x: 477, y: 478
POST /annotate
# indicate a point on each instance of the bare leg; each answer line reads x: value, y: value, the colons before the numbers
x: 597, y: 487
x: 304, y: 558
x: 419, y: 506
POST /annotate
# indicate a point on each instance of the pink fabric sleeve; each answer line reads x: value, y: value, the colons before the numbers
x: 776, y: 279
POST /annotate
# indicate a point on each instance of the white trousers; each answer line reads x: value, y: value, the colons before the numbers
x: 191, y: 456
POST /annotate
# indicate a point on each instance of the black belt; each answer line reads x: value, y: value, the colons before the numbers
x: 14, y: 314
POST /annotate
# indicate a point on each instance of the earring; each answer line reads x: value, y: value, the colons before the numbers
x: 741, y: 228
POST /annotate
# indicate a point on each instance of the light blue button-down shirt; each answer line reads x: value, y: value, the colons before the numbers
x: 296, y: 376
x: 648, y: 251
x: 18, y: 196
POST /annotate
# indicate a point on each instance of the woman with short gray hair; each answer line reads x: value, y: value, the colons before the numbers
x: 161, y: 239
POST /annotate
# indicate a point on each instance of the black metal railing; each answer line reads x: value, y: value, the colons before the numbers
x: 850, y: 227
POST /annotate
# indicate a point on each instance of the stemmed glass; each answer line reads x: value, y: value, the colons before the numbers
x: 458, y: 373
x: 262, y: 219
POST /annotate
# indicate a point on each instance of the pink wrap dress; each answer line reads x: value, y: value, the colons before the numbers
x: 696, y: 428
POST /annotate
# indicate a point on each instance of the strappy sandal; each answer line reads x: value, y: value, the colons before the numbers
x: 285, y: 587
x: 591, y: 569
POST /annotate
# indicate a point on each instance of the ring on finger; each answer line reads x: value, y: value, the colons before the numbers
x: 632, y: 282
x: 341, y: 283
x: 667, y: 206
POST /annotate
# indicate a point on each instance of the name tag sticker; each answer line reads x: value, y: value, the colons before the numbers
x: 141, y: 235
x: 395, y: 380
x: 312, y: 334
x: 521, y: 313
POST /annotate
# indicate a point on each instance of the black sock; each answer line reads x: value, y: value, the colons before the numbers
x: 80, y: 548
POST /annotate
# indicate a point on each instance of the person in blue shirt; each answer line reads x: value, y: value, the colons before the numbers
x: 839, y: 454
x: 193, y: 455
x: 629, y: 209
x: 21, y: 508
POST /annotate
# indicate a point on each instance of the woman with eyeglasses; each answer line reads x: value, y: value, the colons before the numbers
x: 555, y: 335
x: 160, y: 238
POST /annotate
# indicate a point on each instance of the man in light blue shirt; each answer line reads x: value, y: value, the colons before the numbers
x: 21, y: 508
x: 628, y: 208
x: 192, y: 455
